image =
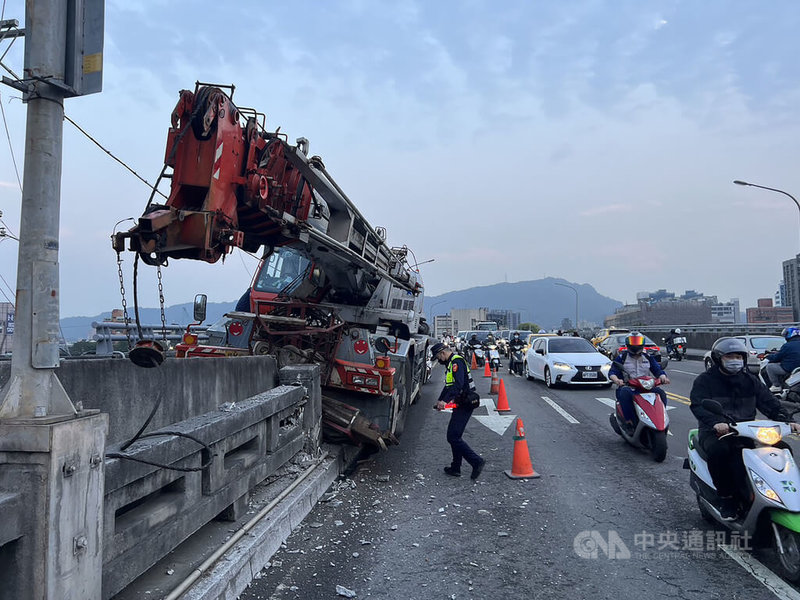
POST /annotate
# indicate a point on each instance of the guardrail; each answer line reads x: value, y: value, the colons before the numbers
x: 108, y: 332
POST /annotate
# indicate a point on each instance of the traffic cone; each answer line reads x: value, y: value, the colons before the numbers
x: 521, y: 467
x: 502, y: 399
x: 487, y: 371
x: 474, y: 365
x: 495, y: 385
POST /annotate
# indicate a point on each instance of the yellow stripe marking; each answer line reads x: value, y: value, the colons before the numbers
x: 679, y: 398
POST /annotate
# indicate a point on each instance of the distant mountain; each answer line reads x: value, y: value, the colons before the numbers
x: 80, y: 328
x: 540, y: 301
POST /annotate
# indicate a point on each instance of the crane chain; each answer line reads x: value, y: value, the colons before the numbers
x: 124, y: 302
x: 161, y: 305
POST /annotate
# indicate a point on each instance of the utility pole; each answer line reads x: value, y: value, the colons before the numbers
x: 53, y: 451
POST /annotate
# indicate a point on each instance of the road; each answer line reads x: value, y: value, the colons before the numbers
x: 401, y: 528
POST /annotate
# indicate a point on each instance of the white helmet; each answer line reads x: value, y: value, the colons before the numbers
x: 677, y: 331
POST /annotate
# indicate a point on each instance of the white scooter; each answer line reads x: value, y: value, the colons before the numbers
x: 773, y: 479
x: 494, y: 357
x: 790, y: 388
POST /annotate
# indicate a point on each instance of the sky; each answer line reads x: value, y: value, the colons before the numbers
x: 594, y: 140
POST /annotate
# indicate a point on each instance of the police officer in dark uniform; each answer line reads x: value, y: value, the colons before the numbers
x: 460, y: 389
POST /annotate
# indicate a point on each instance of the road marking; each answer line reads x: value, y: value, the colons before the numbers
x: 496, y: 422
x: 679, y: 398
x: 761, y: 573
x: 561, y: 411
x: 685, y: 372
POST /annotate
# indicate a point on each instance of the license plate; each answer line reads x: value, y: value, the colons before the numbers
x: 589, y: 375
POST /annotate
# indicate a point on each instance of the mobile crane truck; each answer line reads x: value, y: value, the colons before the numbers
x: 328, y: 289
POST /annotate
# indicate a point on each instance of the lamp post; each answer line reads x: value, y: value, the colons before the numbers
x: 574, y: 289
x: 763, y: 187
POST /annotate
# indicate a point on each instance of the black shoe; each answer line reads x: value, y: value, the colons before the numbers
x: 452, y: 472
x: 727, y: 508
x: 476, y: 470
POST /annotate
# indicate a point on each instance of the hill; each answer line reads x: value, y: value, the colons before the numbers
x: 540, y: 301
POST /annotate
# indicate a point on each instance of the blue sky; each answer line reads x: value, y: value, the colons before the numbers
x: 591, y: 140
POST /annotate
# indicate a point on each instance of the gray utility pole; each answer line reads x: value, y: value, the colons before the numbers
x: 52, y: 453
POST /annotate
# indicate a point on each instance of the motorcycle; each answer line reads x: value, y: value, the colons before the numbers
x: 477, y: 351
x: 652, y: 423
x: 677, y: 348
x: 494, y: 356
x: 770, y: 507
x: 516, y: 361
x: 789, y: 387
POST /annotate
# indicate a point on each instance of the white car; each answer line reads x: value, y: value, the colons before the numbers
x: 570, y: 360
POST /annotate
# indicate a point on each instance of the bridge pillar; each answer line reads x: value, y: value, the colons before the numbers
x: 55, y: 470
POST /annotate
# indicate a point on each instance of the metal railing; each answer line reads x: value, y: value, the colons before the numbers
x: 108, y: 332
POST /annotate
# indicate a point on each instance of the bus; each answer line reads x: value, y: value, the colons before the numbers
x: 486, y: 326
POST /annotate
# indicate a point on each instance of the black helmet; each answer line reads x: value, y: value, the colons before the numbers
x: 436, y: 348
x: 727, y: 346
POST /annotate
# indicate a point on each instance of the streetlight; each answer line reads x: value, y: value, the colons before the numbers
x: 576, y: 300
x: 763, y: 187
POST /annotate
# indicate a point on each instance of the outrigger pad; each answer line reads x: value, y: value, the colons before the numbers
x: 147, y: 353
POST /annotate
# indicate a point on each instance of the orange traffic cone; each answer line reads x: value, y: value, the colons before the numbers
x: 495, y: 385
x: 521, y: 467
x: 474, y: 364
x: 502, y: 399
x: 487, y: 371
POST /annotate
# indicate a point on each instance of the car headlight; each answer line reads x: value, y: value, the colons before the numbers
x: 763, y: 488
x: 605, y: 368
x: 562, y: 366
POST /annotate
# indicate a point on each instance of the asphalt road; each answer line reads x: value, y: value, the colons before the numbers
x: 603, y: 521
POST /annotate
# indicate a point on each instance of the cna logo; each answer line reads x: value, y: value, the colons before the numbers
x: 590, y: 544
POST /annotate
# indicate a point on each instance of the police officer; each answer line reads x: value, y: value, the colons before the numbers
x: 460, y: 389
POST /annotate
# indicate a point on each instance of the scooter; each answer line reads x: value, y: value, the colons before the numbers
x: 677, y: 349
x: 790, y: 387
x: 494, y: 356
x: 516, y: 362
x: 652, y: 423
x: 770, y: 509
x: 477, y: 351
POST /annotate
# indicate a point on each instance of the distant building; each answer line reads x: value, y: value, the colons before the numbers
x: 780, y: 294
x: 727, y: 312
x: 765, y: 312
x: 665, y: 312
x: 465, y: 319
x: 505, y: 319
x: 443, y: 324
x: 791, y: 280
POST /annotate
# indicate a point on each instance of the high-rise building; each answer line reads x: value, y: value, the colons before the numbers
x: 780, y: 294
x: 791, y: 280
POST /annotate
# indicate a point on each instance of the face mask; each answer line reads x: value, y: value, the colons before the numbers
x: 733, y: 365
x: 442, y: 362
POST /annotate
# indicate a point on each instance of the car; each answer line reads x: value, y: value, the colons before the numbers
x: 601, y: 335
x: 757, y: 347
x: 532, y: 337
x: 569, y: 360
x: 616, y: 343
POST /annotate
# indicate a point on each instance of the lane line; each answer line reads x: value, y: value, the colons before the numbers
x: 771, y: 581
x: 679, y: 398
x: 561, y: 411
x: 685, y: 372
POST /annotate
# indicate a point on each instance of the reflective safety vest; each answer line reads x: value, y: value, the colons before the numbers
x: 450, y: 379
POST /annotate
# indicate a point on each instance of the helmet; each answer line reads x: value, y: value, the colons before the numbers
x: 790, y: 332
x: 635, y: 342
x: 727, y: 346
x: 436, y: 348
x: 677, y: 331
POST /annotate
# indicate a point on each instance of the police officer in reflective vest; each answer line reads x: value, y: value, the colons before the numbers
x: 459, y: 389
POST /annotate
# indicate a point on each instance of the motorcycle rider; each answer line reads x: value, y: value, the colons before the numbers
x: 634, y: 362
x: 740, y: 393
x: 515, y: 344
x: 785, y: 360
x: 670, y: 341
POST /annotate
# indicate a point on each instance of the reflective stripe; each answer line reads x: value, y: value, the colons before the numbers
x: 449, y: 378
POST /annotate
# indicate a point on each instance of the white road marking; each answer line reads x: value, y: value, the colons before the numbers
x: 611, y: 403
x: 685, y: 372
x: 497, y: 422
x: 561, y: 411
x: 771, y: 581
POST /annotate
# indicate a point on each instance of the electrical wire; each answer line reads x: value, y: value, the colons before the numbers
x: 10, y: 145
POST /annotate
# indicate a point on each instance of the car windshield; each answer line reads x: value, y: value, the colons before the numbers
x: 570, y: 344
x: 481, y: 335
x: 768, y: 342
x: 284, y: 269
